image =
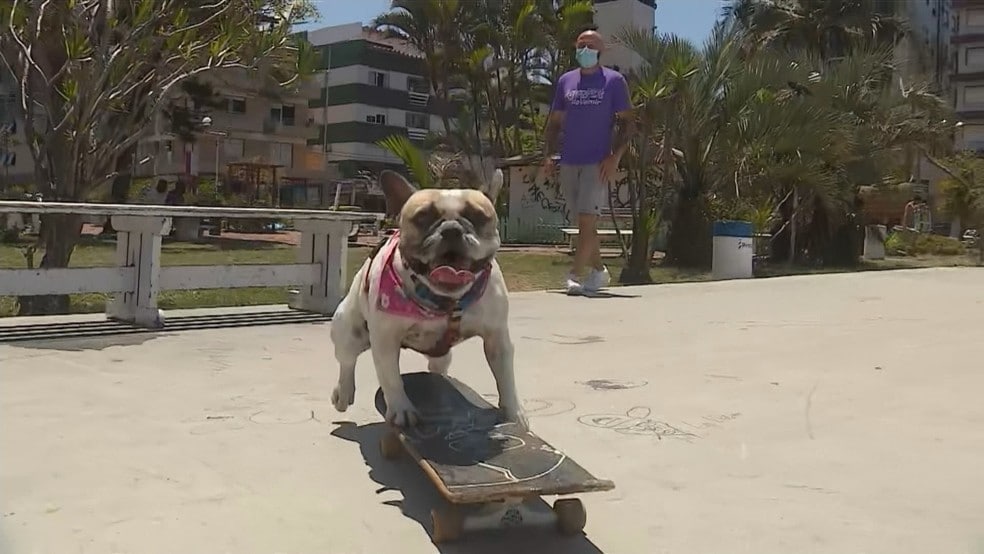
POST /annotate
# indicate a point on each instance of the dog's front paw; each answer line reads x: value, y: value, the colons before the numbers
x: 343, y: 396
x: 401, y: 412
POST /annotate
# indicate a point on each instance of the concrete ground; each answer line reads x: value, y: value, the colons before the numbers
x: 836, y: 413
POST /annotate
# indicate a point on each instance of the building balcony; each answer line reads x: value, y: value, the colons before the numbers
x: 967, y: 77
x: 383, y: 97
x: 416, y: 133
x: 296, y: 129
x: 968, y: 37
x: 418, y: 99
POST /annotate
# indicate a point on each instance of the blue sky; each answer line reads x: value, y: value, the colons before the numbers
x: 691, y: 19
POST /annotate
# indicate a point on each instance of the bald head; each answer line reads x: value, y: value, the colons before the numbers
x: 591, y: 39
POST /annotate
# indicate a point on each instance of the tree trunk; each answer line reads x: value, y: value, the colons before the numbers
x: 689, y: 242
x: 792, y: 228
x: 956, y: 229
x: 60, y: 233
x: 636, y: 271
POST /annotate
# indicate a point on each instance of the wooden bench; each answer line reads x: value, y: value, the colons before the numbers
x: 320, y: 271
x: 571, y: 233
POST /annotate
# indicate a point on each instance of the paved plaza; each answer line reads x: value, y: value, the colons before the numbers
x: 833, y: 413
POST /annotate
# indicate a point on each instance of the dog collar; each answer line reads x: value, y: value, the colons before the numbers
x: 415, y: 300
x: 426, y: 298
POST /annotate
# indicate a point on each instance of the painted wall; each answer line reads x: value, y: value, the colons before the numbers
x: 536, y: 209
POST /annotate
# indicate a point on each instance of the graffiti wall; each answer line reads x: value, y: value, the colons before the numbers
x: 537, y: 209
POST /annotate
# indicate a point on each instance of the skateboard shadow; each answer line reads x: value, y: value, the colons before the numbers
x: 420, y: 496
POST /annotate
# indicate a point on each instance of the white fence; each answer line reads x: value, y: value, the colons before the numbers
x: 138, y: 277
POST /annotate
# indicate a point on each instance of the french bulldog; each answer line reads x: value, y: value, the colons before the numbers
x: 434, y: 283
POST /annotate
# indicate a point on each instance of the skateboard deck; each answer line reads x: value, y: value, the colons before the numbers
x: 474, y: 457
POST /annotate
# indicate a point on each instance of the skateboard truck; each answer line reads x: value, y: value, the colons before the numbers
x: 448, y: 524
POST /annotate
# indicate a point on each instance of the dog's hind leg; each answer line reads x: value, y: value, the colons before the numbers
x: 439, y: 365
x: 351, y: 338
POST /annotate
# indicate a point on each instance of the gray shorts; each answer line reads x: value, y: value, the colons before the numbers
x: 582, y: 189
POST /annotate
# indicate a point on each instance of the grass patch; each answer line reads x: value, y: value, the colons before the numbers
x: 524, y: 271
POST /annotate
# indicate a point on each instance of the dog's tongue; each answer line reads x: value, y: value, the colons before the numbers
x: 450, y: 277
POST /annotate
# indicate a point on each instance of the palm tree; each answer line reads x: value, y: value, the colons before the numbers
x: 827, y: 28
x: 747, y: 132
x: 435, y: 28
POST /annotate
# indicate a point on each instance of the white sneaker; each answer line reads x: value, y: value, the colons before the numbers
x: 597, y: 280
x: 572, y: 286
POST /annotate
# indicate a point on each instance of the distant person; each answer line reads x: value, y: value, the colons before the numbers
x: 592, y: 111
x: 916, y: 216
x: 157, y: 195
x: 176, y: 196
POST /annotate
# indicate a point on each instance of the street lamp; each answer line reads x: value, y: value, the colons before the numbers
x: 207, y: 124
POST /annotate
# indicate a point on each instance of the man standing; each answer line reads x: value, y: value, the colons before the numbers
x: 591, y: 109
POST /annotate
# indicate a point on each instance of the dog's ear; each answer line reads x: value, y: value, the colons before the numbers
x: 494, y: 186
x: 396, y: 189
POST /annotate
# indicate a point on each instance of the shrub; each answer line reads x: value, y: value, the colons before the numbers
x: 909, y: 243
x: 9, y: 235
x: 938, y: 245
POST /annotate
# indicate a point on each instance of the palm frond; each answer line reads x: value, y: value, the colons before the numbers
x: 412, y: 157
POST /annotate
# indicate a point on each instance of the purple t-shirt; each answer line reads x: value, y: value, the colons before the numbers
x: 590, y: 102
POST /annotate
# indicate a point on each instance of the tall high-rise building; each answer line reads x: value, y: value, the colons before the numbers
x: 611, y: 16
x: 966, y: 65
x: 373, y: 86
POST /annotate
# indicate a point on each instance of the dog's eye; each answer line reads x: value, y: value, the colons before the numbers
x: 477, y: 217
x: 425, y: 217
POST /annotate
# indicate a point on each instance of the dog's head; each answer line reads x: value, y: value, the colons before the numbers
x: 447, y: 236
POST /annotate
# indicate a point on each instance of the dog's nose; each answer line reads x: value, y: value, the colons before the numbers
x: 451, y: 232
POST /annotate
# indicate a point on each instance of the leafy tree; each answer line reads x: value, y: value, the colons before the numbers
x: 963, y: 190
x: 89, y: 96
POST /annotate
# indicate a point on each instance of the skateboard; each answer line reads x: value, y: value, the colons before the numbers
x: 491, y: 472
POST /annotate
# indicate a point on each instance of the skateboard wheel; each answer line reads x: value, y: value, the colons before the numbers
x: 571, y: 516
x: 390, y: 447
x: 447, y: 525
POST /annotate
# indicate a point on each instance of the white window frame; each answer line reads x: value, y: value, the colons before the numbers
x: 424, y: 117
x: 376, y: 119
x: 974, y: 56
x: 282, y: 153
x: 233, y: 148
x: 411, y: 79
x: 975, y: 17
x: 229, y: 104
x: 279, y: 117
x: 376, y: 76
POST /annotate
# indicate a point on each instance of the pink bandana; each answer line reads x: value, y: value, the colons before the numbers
x: 393, y: 297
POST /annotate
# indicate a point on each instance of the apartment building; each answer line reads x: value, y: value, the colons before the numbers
x: 967, y: 75
x: 372, y: 87
x: 256, y: 138
x: 16, y: 165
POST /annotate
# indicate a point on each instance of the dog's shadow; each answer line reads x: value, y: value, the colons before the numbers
x: 420, y: 496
